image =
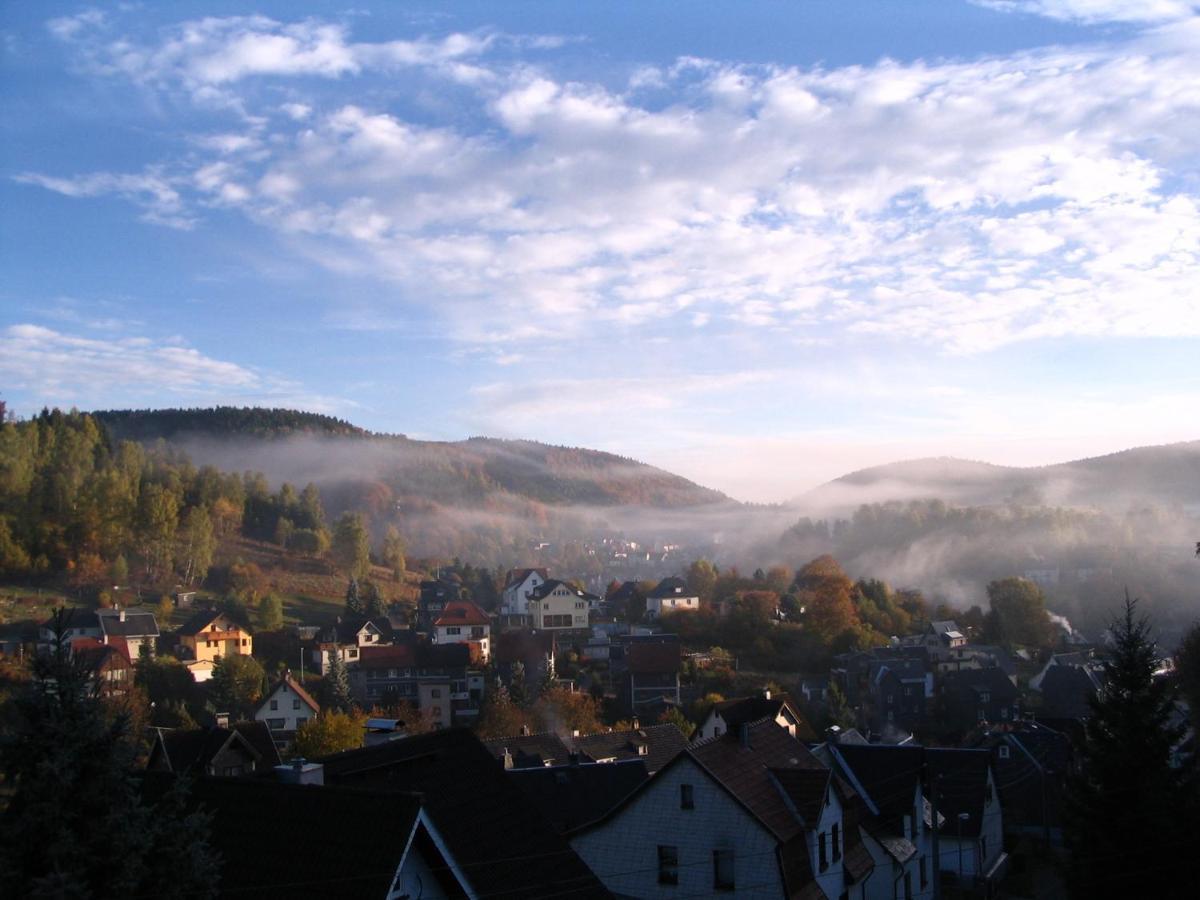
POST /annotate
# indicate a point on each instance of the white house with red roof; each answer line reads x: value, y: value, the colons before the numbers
x: 462, y: 622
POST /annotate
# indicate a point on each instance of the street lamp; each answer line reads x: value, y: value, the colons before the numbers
x: 962, y: 817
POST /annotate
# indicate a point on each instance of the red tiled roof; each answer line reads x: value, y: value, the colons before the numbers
x: 462, y: 612
x: 304, y: 695
x: 387, y: 656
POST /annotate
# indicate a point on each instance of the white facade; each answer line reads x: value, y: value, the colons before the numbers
x: 514, y: 598
x: 656, y: 606
x: 560, y: 609
x: 465, y: 634
x: 715, y: 725
x: 973, y: 856
x: 623, y: 850
x: 283, y: 709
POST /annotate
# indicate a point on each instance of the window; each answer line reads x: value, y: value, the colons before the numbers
x: 686, y: 800
x: 245, y: 642
x: 274, y: 704
x: 436, y: 693
x: 579, y: 606
x: 723, y: 870
x: 453, y: 629
x: 668, y: 864
x: 985, y: 697
x: 837, y: 841
x: 822, y: 854
x: 295, y: 704
x: 1003, y: 751
x: 300, y: 720
x: 353, y: 652
x: 924, y: 872
x: 909, y: 826
x: 982, y: 848
x: 908, y: 886
x: 276, y: 724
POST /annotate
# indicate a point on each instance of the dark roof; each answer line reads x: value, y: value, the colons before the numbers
x: 805, y: 789
x: 408, y: 655
x: 530, y: 750
x: 626, y: 591
x: 904, y: 669
x: 959, y: 780
x: 670, y: 587
x: 662, y: 742
x: 191, y: 750
x: 522, y: 646
x: 488, y: 825
x: 76, y: 617
x: 304, y: 841
x: 992, y: 679
x: 573, y: 795
x: 199, y: 621
x: 738, y: 711
x: 886, y: 775
x: 138, y: 623
x: 1066, y: 690
x: 647, y: 658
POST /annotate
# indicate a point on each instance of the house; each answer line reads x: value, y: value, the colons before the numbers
x: 1067, y: 690
x: 898, y: 689
x: 971, y: 843
x: 109, y: 663
x: 1031, y: 763
x: 752, y: 813
x: 889, y: 813
x: 285, y: 708
x: 556, y: 605
x: 346, y: 638
x: 618, y: 601
x: 210, y: 634
x: 670, y: 595
x: 136, y: 627
x: 529, y: 750
x: 242, y: 749
x: 971, y: 696
x: 938, y: 639
x: 77, y: 623
x: 534, y: 650
x: 462, y: 622
x: 436, y: 679
x: 1080, y: 658
x: 652, y: 745
x: 502, y: 845
x: 729, y: 715
x: 293, y: 840
x: 435, y: 594
x: 515, y: 596
x: 651, y: 677
x: 577, y: 793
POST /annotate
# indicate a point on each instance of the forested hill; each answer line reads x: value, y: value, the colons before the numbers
x: 352, y: 465
x: 1168, y: 475
x: 145, y: 425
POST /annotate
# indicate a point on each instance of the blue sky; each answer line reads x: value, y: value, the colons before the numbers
x: 758, y: 244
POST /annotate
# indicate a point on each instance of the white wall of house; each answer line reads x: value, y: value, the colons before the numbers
x: 656, y: 606
x: 715, y: 724
x: 623, y: 851
x: 560, y: 609
x: 283, y: 709
x: 434, y: 698
x: 465, y: 634
x: 830, y: 878
x: 513, y: 599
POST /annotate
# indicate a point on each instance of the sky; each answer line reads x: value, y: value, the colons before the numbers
x: 759, y: 244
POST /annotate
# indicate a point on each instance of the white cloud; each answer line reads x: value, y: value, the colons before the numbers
x: 49, y: 367
x: 968, y: 204
x: 1094, y: 11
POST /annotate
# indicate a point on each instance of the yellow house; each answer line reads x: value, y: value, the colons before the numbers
x: 210, y: 634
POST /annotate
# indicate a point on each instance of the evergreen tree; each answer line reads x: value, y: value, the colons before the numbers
x: 372, y: 602
x: 75, y: 824
x: 1125, y: 808
x: 354, y: 604
x: 352, y: 545
x: 270, y: 613
x: 516, y: 684
x: 500, y: 716
x: 337, y: 685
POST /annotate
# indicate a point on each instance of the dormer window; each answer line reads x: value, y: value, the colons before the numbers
x: 1002, y: 751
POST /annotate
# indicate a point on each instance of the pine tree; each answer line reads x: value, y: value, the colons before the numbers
x: 76, y: 824
x: 354, y: 604
x: 337, y: 684
x: 1125, y: 808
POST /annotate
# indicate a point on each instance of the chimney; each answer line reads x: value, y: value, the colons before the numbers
x: 766, y: 695
x: 833, y: 734
x: 121, y: 615
x: 573, y: 758
x: 744, y: 735
x: 508, y: 760
x: 222, y: 719
x: 525, y: 730
x: 637, y: 725
x: 574, y: 732
x: 300, y: 771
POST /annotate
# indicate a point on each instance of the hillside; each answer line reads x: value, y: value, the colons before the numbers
x: 345, y: 460
x: 1165, y: 475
